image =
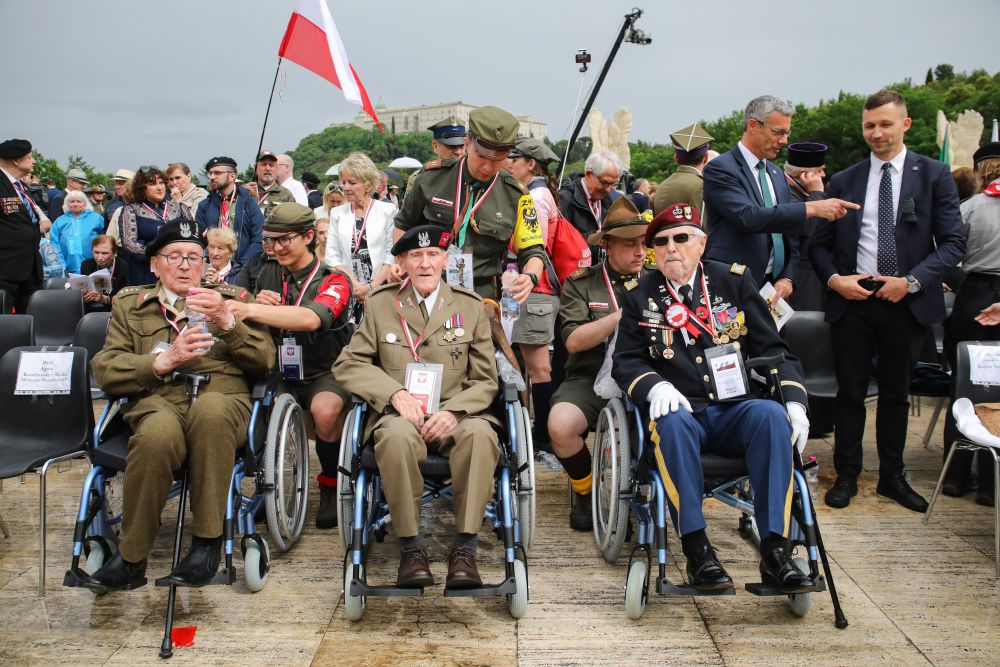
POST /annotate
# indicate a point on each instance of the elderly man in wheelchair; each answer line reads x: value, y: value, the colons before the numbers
x: 154, y: 332
x: 682, y: 340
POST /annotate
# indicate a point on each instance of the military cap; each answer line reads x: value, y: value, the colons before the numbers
x: 309, y: 177
x: 692, y: 141
x: 14, y: 148
x: 176, y: 231
x: 422, y: 236
x: 623, y: 221
x: 123, y: 175
x: 674, y: 215
x: 807, y: 154
x: 221, y: 161
x: 267, y: 155
x: 986, y: 152
x: 95, y: 189
x: 493, y: 131
x: 448, y: 132
x: 288, y: 217
x: 75, y: 174
x: 534, y: 149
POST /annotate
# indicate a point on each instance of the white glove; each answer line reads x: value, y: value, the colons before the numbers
x: 663, y: 398
x: 800, y: 424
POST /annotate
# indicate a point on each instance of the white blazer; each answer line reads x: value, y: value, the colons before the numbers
x: 378, y: 232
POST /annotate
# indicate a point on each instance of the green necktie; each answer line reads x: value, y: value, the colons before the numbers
x: 776, y: 241
x: 423, y: 310
x: 473, y: 187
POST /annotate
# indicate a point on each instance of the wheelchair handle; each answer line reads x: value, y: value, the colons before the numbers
x: 765, y: 362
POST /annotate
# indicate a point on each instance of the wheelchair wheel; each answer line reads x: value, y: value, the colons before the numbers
x: 286, y: 469
x: 799, y: 603
x: 612, y: 480
x: 525, y: 478
x: 636, y: 589
x: 517, y: 602
x: 256, y: 564
x: 354, y: 605
x: 345, y: 489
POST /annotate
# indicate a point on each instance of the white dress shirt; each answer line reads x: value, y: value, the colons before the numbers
x: 752, y: 161
x: 429, y: 300
x: 868, y: 238
x: 298, y: 191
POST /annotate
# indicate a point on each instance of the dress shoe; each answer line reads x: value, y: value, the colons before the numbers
x: 200, y: 564
x: 117, y: 575
x: 985, y: 499
x: 326, y: 515
x: 580, y: 517
x: 705, y: 571
x: 778, y: 569
x: 897, y: 488
x: 462, y: 570
x: 956, y: 488
x: 840, y: 494
x: 414, y: 569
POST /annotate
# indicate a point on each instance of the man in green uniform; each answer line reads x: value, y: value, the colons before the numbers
x: 303, y: 301
x: 148, y: 339
x: 686, y: 185
x: 265, y: 186
x: 487, y: 211
x: 590, y: 312
x: 407, y: 419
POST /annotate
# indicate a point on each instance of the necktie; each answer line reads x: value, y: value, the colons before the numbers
x: 685, y: 292
x: 423, y: 310
x: 886, y: 258
x: 24, y: 200
x: 473, y: 189
x: 777, y: 243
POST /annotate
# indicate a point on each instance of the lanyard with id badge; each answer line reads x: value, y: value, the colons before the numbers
x: 459, y: 271
x: 423, y: 381
x: 290, y: 352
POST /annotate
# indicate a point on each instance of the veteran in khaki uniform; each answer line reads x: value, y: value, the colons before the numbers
x: 429, y: 321
x: 486, y: 209
x: 148, y: 338
x: 686, y: 185
x: 589, y: 310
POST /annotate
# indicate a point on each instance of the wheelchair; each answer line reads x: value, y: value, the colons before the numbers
x: 270, y: 476
x: 363, y: 512
x: 627, y: 484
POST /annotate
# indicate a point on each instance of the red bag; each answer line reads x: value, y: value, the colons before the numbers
x: 567, y: 249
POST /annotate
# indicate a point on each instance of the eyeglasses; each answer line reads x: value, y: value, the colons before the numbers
x: 146, y: 168
x: 606, y: 182
x: 176, y: 259
x: 678, y: 239
x: 779, y: 133
x: 220, y: 172
x: 282, y: 241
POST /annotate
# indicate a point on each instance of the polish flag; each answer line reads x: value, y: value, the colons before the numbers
x: 312, y: 41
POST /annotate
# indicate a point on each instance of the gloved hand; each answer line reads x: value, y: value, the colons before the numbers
x: 664, y: 398
x: 800, y: 425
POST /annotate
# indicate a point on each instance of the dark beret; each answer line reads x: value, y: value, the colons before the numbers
x: 178, y: 229
x: 674, y: 215
x: 986, y: 152
x: 422, y: 236
x: 221, y: 161
x: 14, y: 148
x: 309, y: 177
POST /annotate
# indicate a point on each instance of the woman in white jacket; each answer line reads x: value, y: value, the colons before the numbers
x: 360, y: 233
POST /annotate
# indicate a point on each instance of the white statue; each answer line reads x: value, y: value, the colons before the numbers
x: 612, y: 134
x: 964, y: 135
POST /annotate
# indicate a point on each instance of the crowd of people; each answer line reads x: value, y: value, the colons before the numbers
x: 340, y: 289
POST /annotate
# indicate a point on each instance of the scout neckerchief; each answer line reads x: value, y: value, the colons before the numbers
x: 680, y: 316
x: 225, y: 208
x: 162, y: 216
x: 359, y: 234
x: 302, y: 292
x: 611, y: 291
x: 414, y: 346
x: 471, y: 207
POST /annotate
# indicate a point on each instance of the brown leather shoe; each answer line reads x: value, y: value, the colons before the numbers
x: 462, y: 570
x: 414, y: 570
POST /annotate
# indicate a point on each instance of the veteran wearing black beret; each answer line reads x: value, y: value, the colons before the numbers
x: 20, y: 220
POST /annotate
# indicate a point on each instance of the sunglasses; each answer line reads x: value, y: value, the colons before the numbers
x: 678, y: 239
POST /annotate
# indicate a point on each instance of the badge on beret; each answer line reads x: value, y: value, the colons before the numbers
x: 423, y: 240
x: 185, y: 230
x: 682, y: 211
x: 499, y: 133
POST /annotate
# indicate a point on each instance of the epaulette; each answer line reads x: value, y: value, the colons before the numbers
x: 510, y: 180
x: 580, y: 273
x: 738, y: 269
x: 232, y: 291
x: 383, y: 287
x: 128, y: 291
x: 464, y: 290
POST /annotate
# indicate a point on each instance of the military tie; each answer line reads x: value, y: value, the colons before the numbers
x: 886, y: 257
x: 423, y: 310
x: 685, y: 291
x: 777, y: 243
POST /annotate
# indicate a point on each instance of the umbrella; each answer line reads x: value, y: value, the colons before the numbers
x: 334, y: 170
x: 406, y: 163
x: 393, y: 175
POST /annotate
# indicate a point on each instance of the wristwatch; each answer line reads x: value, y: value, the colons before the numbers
x: 912, y: 284
x: 534, y: 278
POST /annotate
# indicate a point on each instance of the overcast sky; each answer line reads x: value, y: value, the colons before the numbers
x: 131, y: 82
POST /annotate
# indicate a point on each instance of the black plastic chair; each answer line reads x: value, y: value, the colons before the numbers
x: 38, y: 431
x: 90, y: 334
x: 16, y: 331
x: 55, y: 283
x: 56, y: 313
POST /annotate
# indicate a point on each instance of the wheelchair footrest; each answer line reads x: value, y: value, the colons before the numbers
x: 664, y: 587
x: 226, y: 576
x: 767, y: 590
x: 74, y: 578
x: 359, y: 588
x: 508, y: 586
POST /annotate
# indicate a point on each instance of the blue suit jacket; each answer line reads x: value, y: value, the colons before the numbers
x: 929, y: 233
x: 738, y: 225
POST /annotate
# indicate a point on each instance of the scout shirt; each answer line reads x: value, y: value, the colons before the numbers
x: 504, y: 215
x: 584, y: 299
x: 271, y: 196
x: 739, y: 315
x: 327, y: 295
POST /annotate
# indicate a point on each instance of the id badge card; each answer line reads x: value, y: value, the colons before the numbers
x: 728, y: 375
x: 459, y: 270
x: 291, y: 360
x: 423, y: 382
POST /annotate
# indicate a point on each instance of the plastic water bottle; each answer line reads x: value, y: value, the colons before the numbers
x: 196, y: 320
x: 52, y: 265
x: 508, y: 305
x: 811, y: 470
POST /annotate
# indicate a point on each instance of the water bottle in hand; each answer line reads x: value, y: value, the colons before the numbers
x: 196, y: 320
x: 509, y: 307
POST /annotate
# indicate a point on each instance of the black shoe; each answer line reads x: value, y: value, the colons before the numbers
x: 326, y: 515
x: 580, y: 517
x: 985, y: 499
x: 897, y: 488
x: 956, y: 488
x: 117, y: 575
x: 778, y: 569
x: 198, y: 567
x: 705, y: 571
x: 840, y: 494
x: 414, y: 569
x: 462, y: 570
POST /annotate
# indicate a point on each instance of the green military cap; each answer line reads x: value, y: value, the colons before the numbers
x: 692, y: 140
x: 493, y: 131
x: 288, y: 217
x: 534, y: 149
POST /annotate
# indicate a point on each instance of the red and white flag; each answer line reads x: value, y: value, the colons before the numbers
x: 312, y: 41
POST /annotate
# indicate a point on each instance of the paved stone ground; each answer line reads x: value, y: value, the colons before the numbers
x: 914, y: 594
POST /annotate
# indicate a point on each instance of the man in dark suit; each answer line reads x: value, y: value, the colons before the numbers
x: 20, y: 263
x: 894, y: 249
x: 751, y: 216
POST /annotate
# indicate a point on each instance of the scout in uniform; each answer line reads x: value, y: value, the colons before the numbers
x: 149, y: 338
x: 423, y: 361
x: 303, y: 301
x: 486, y: 209
x: 683, y: 336
x: 590, y: 309
x: 266, y: 188
x: 691, y: 146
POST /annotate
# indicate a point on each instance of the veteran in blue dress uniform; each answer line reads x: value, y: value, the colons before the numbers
x: 679, y: 318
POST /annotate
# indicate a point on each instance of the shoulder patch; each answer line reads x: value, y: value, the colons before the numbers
x: 738, y: 269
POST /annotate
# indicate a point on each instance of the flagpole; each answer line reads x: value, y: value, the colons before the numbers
x: 267, y: 113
